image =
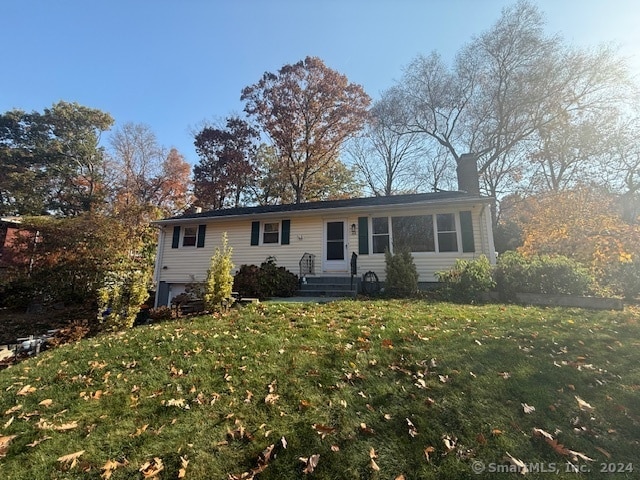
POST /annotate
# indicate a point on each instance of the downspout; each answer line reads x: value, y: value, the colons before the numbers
x: 157, y: 265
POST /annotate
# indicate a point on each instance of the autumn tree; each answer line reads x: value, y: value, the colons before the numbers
x: 584, y: 224
x: 225, y: 171
x: 146, y: 180
x: 510, y: 91
x: 308, y: 110
x: 52, y: 162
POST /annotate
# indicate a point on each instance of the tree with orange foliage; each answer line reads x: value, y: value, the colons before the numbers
x: 583, y: 224
x: 308, y: 110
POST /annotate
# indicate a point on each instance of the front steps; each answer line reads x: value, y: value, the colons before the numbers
x: 312, y: 286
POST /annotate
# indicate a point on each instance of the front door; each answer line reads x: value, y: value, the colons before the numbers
x: 335, y: 246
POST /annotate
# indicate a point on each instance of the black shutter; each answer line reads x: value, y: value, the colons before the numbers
x: 466, y: 225
x: 202, y: 230
x: 255, y: 233
x: 363, y: 235
x: 175, y: 243
x: 286, y: 232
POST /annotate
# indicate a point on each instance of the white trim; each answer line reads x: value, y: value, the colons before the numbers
x: 336, y: 266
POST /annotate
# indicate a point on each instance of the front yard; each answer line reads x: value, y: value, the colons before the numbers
x: 350, y: 389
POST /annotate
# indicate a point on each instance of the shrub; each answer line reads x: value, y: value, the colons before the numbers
x: 265, y: 281
x: 120, y: 297
x: 540, y: 274
x: 219, y: 283
x: 467, y: 280
x: 623, y: 278
x: 160, y: 314
x: 401, y: 273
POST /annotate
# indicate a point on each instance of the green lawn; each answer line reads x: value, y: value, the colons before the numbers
x: 345, y: 390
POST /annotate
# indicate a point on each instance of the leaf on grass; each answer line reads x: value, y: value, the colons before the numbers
x: 249, y: 396
x: 176, y: 402
x: 527, y: 408
x: 519, y: 464
x: 557, y: 446
x: 9, y: 422
x: 323, y: 430
x: 538, y: 432
x: 139, y: 431
x: 604, y: 452
x: 413, y: 431
x: 109, y: 467
x: 400, y: 477
x: 26, y: 390
x: 310, y: 463
x: 44, y: 425
x: 575, y: 456
x: 183, y: 467
x: 449, y: 443
x: 4, y: 444
x: 428, y: 451
x: 335, y: 448
x: 505, y: 375
x: 13, y: 410
x: 71, y: 459
x: 584, y: 406
x: 365, y: 429
x: 374, y: 466
x: 46, y: 403
x: 38, y: 442
x: 152, y: 468
x: 271, y: 398
x: 496, y: 432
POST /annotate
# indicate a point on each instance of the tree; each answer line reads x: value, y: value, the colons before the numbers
x: 147, y: 182
x: 218, y: 285
x: 52, y: 162
x: 225, y: 170
x: 386, y: 158
x: 583, y: 224
x: 505, y: 87
x: 308, y: 110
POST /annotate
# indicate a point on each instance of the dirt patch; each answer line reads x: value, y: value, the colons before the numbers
x: 17, y: 324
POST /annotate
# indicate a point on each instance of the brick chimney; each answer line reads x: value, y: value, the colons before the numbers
x: 467, y: 171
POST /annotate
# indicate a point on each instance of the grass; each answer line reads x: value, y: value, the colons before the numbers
x: 377, y: 389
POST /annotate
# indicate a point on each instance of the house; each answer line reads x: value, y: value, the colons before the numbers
x: 318, y: 240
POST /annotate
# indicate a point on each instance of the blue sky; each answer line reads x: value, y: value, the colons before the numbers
x: 175, y: 64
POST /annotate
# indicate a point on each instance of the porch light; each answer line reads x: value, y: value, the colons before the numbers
x: 353, y: 229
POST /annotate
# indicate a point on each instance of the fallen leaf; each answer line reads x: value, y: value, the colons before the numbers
x: 583, y: 405
x: 72, y: 458
x: 604, y: 452
x: 323, y: 430
x: 575, y: 456
x: 335, y: 448
x: 400, y: 477
x: 109, y: 468
x: 310, y: 463
x: 183, y: 467
x: 37, y: 442
x: 152, y: 468
x: 46, y: 403
x: 271, y: 398
x: 528, y: 408
x: 9, y: 422
x: 44, y: 425
x: 140, y: 431
x: 374, y: 466
x: 538, y: 432
x: 428, y: 451
x: 26, y: 390
x: 449, y: 443
x: 519, y: 464
x: 4, y: 444
x: 496, y: 432
x: 365, y: 429
x: 13, y: 410
x: 413, y: 431
x: 504, y: 375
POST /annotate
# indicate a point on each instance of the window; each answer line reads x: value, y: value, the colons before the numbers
x: 447, y: 236
x: 190, y: 236
x: 414, y: 233
x: 380, y: 234
x: 271, y: 233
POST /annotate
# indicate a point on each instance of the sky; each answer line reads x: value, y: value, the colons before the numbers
x: 176, y: 64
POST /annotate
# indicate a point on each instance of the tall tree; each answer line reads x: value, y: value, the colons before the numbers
x: 225, y: 170
x: 52, y: 161
x: 146, y: 180
x: 308, y: 110
x: 387, y: 158
x: 505, y: 86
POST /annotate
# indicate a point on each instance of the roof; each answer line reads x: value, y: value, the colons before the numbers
x: 435, y: 197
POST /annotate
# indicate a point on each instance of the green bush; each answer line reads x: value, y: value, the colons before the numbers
x: 401, y: 274
x: 265, y: 281
x: 467, y: 280
x: 540, y: 274
x: 623, y: 278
